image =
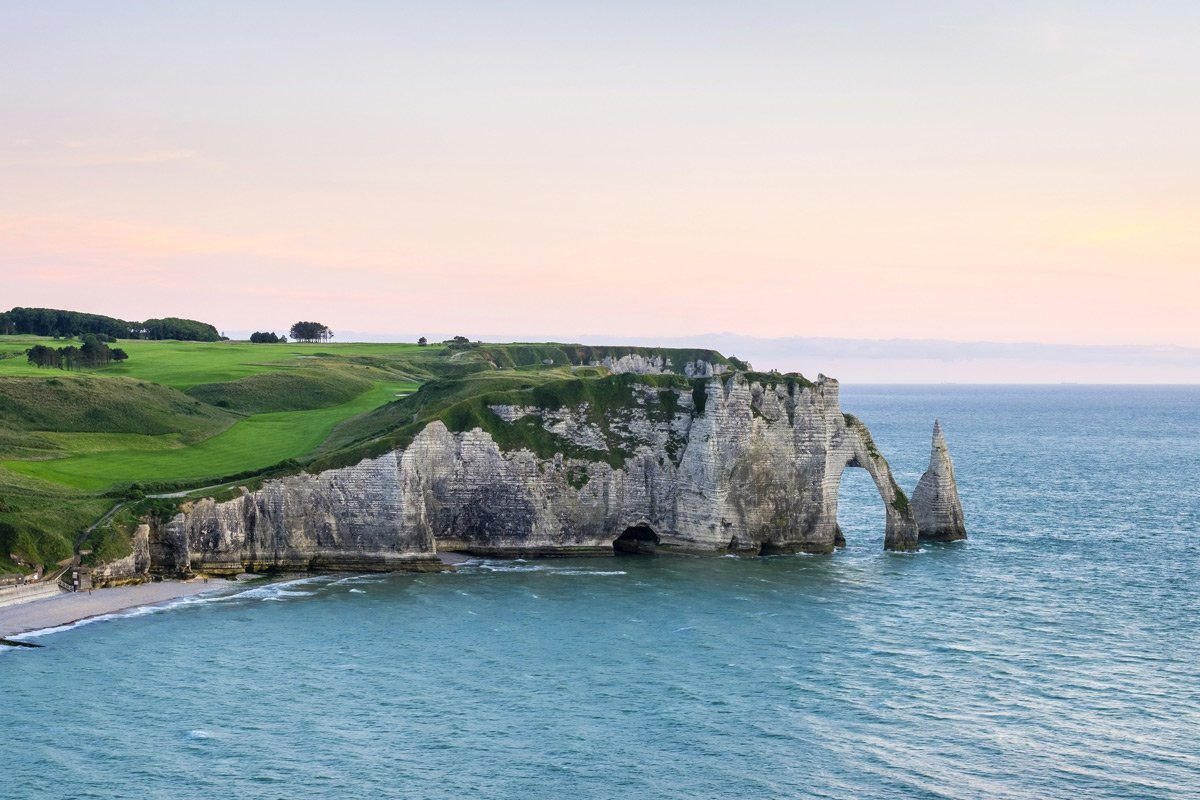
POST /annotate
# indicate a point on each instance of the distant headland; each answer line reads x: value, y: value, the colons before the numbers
x: 194, y: 454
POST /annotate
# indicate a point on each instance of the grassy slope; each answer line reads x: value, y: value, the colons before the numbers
x: 294, y: 390
x: 254, y: 443
x: 60, y: 401
x: 180, y: 414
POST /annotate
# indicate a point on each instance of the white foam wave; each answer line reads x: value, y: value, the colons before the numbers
x: 587, y: 572
x: 357, y: 591
x: 492, y: 566
x: 127, y: 613
x: 355, y: 579
x: 518, y: 565
x: 278, y: 591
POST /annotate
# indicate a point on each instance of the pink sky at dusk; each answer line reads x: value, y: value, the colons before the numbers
x: 966, y: 172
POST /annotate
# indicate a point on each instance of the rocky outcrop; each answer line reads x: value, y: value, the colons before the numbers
x: 133, y: 568
x: 367, y: 517
x: 732, y: 465
x: 639, y: 364
x: 938, y: 510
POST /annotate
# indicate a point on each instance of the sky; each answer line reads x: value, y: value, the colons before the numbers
x: 937, y: 172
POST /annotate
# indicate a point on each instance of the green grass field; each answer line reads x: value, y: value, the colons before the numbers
x: 182, y: 365
x: 254, y: 443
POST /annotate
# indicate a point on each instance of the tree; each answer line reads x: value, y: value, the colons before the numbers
x: 183, y: 329
x: 422, y: 341
x: 266, y: 337
x: 70, y: 357
x: 94, y: 353
x: 43, y: 357
x: 310, y: 332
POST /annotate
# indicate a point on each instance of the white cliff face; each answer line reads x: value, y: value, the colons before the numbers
x: 755, y: 470
x: 369, y: 516
x: 938, y: 510
x: 133, y: 568
x: 637, y: 364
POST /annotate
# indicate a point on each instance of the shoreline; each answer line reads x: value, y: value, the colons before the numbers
x: 69, y: 608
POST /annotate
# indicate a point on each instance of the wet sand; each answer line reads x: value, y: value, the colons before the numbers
x: 68, y: 607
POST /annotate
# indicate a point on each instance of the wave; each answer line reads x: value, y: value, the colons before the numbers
x: 509, y: 566
x: 513, y: 566
x: 588, y: 572
x: 276, y: 592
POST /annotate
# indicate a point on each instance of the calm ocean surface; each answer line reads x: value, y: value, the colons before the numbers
x: 1054, y: 655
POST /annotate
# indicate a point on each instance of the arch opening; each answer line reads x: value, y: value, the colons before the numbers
x: 637, y: 540
x: 861, y: 515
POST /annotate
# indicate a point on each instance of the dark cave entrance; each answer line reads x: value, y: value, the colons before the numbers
x: 637, y: 540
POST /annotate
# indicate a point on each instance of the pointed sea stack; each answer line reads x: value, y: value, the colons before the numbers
x: 935, y: 502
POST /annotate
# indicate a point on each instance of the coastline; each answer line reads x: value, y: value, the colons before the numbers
x: 69, y: 608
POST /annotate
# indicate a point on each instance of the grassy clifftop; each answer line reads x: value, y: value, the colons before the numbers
x: 182, y: 415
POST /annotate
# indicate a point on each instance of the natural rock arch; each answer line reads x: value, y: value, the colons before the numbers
x: 900, y: 528
x: 860, y: 516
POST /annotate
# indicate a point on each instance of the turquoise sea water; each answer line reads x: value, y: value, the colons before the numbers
x: 1054, y: 655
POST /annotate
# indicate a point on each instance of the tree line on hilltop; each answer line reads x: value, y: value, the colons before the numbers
x: 67, y: 324
x: 63, y: 324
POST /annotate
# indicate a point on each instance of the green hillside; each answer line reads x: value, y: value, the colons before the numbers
x: 187, y: 415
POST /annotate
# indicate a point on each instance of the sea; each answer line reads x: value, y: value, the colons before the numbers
x: 1054, y: 654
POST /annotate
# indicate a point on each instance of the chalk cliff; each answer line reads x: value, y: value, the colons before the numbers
x: 935, y: 501
x: 133, y: 568
x: 735, y: 463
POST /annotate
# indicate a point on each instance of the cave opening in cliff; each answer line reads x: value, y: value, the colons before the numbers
x: 637, y: 540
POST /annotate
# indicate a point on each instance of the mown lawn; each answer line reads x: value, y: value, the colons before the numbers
x: 253, y: 443
x: 182, y: 365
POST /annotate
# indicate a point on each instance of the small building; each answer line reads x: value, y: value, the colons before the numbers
x: 81, y: 579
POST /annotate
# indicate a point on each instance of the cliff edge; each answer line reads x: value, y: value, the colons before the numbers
x: 745, y: 463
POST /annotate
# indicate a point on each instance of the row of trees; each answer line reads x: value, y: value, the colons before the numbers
x: 92, y: 353
x: 57, y: 322
x: 267, y: 337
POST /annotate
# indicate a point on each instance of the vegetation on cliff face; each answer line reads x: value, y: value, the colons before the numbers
x: 186, y: 415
